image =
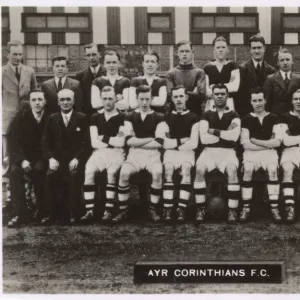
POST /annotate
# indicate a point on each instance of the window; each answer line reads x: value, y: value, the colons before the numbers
x: 224, y: 22
x: 290, y: 22
x: 5, y: 28
x: 56, y: 22
x: 159, y: 22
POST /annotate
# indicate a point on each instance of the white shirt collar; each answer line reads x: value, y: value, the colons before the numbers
x: 293, y: 114
x: 69, y: 114
x: 38, y: 117
x: 93, y: 69
x: 256, y: 63
x: 63, y: 80
x: 14, y: 67
x: 107, y: 115
x: 227, y: 109
x: 288, y: 74
x: 182, y: 113
x: 253, y: 114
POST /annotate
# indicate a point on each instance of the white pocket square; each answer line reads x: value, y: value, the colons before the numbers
x: 77, y: 129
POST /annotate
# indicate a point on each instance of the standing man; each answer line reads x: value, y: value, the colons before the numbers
x: 64, y: 145
x: 219, y: 132
x: 253, y: 74
x: 279, y: 87
x: 181, y: 135
x: 260, y: 137
x: 26, y: 155
x: 17, y: 81
x: 290, y: 159
x: 186, y: 74
x: 53, y: 86
x: 87, y: 76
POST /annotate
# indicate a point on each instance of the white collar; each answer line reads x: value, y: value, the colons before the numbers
x: 95, y: 69
x: 283, y: 74
x: 117, y: 77
x: 257, y: 62
x: 63, y: 80
x: 182, y: 113
x: 69, y: 114
x: 253, y: 114
x: 14, y: 67
x: 109, y: 115
x: 38, y: 117
x: 226, y: 110
x: 293, y: 114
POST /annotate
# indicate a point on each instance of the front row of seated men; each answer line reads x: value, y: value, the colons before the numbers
x: 62, y: 140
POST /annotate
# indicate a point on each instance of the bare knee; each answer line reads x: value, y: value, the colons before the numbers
x: 169, y: 171
x: 201, y: 170
x: 288, y: 170
x: 156, y: 173
x: 125, y: 173
x: 186, y: 172
x: 272, y: 171
x: 248, y: 171
x: 112, y: 173
x: 231, y: 171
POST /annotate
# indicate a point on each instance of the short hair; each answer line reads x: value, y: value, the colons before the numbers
x: 111, y: 52
x: 59, y: 58
x: 13, y: 43
x: 283, y: 51
x: 257, y: 90
x: 184, y: 42
x: 107, y: 88
x: 220, y: 39
x: 36, y: 90
x: 152, y: 52
x: 220, y: 86
x: 178, y: 87
x: 297, y: 91
x: 142, y: 89
x: 89, y: 46
x: 63, y: 90
x: 258, y: 39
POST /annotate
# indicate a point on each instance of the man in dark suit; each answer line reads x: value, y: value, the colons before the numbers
x: 280, y: 86
x: 26, y: 155
x: 86, y: 76
x: 64, y: 144
x: 253, y: 74
x: 61, y: 81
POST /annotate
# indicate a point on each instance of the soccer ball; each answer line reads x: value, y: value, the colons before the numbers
x: 216, y: 207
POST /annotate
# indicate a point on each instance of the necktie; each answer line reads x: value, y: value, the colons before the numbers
x: 258, y: 68
x: 17, y: 74
x: 59, y: 87
x: 94, y: 72
x: 286, y: 80
x: 66, y: 120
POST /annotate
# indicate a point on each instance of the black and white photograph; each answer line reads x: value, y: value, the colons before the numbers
x: 150, y: 149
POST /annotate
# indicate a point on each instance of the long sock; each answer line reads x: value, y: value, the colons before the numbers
x: 155, y: 195
x: 89, y: 195
x: 247, y: 192
x: 234, y: 191
x: 273, y: 192
x: 185, y: 191
x: 168, y: 194
x: 200, y: 190
x: 288, y: 189
x: 123, y: 195
x: 111, y: 190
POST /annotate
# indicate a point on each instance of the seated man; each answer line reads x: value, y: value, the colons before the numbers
x: 181, y: 134
x: 290, y: 159
x: 219, y: 132
x: 27, y: 156
x: 143, y: 154
x: 260, y: 136
x: 65, y: 145
x: 108, y: 142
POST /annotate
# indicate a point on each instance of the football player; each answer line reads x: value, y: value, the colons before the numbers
x: 143, y: 154
x: 260, y: 136
x: 290, y: 159
x: 120, y: 84
x: 181, y: 134
x: 219, y: 132
x: 107, y: 139
x: 157, y: 84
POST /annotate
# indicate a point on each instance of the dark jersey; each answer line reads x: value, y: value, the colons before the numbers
x: 144, y: 128
x: 119, y: 86
x: 292, y: 121
x: 180, y: 124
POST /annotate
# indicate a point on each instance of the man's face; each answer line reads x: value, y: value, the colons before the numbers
x: 93, y: 56
x: 15, y: 55
x: 220, y: 50
x: 60, y: 68
x: 285, y: 61
x: 37, y: 102
x: 185, y: 54
x: 144, y: 100
x: 179, y: 99
x: 150, y: 64
x: 109, y: 100
x: 257, y: 50
x: 66, y: 101
x: 220, y: 97
x: 296, y: 101
x: 111, y: 64
x: 258, y: 102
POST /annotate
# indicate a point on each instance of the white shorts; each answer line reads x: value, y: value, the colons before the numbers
x: 177, y: 158
x: 218, y: 158
x: 291, y: 154
x: 210, y: 104
x: 143, y: 159
x: 261, y: 159
x: 101, y: 159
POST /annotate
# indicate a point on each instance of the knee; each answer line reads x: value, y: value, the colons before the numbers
x: 112, y: 172
x: 272, y: 171
x: 169, y: 170
x: 231, y: 172
x: 125, y: 173
x: 200, y: 170
x: 288, y: 170
x: 157, y: 174
x: 186, y: 169
x: 248, y: 170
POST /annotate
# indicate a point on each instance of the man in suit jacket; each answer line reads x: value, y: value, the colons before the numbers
x: 279, y: 87
x: 64, y: 144
x: 60, y: 81
x: 253, y: 74
x: 26, y: 155
x: 86, y: 76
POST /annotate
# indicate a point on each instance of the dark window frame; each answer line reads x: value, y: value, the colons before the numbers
x: 289, y: 30
x: 57, y: 29
x: 224, y: 29
x: 167, y: 14
x: 6, y: 14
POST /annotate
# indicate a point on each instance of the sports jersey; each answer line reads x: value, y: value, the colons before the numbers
x: 119, y: 85
x: 291, y: 127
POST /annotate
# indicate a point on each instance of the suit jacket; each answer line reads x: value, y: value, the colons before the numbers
x: 250, y: 80
x: 278, y: 96
x: 26, y: 136
x: 50, y: 89
x: 65, y: 143
x: 15, y: 95
x: 86, y: 77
